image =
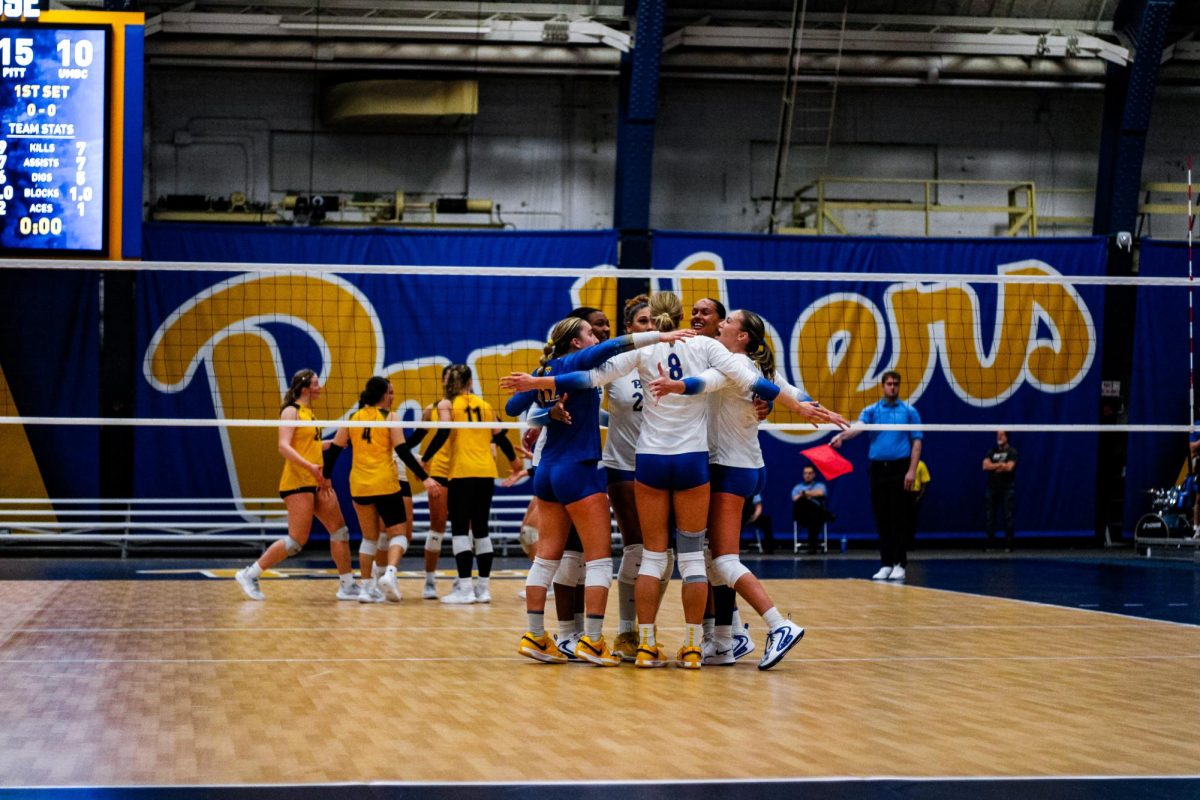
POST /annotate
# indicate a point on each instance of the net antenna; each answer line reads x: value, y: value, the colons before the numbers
x: 1191, y: 221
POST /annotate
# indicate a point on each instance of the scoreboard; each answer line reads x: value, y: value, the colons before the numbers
x: 54, y: 123
x: 70, y: 132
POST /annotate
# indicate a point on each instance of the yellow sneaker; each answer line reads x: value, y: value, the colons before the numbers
x: 689, y: 658
x: 596, y: 651
x: 541, y: 648
x: 625, y: 646
x: 651, y: 656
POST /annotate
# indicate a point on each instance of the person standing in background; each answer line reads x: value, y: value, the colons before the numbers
x: 1000, y: 464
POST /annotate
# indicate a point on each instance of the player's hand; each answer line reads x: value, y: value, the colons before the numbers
x: 836, y: 442
x: 318, y: 472
x: 662, y: 385
x: 676, y: 335
x: 559, y: 412
x: 432, y: 487
x: 814, y: 412
x: 518, y: 472
x: 529, y: 438
x: 518, y: 382
x: 762, y: 409
x: 909, y: 477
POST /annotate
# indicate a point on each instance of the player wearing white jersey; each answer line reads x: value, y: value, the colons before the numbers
x: 738, y: 472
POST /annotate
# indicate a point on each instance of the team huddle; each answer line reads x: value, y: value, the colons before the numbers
x: 681, y: 459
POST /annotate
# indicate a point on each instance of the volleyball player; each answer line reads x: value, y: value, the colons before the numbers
x: 737, y: 471
x: 472, y: 477
x: 306, y: 493
x: 437, y: 462
x: 375, y: 485
x: 671, y: 469
x: 570, y: 488
x: 707, y: 314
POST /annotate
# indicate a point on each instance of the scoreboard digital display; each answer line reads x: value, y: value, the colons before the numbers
x: 54, y: 138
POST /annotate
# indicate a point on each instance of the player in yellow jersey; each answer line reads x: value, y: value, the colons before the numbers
x: 375, y: 485
x: 472, y: 481
x: 305, y: 492
x: 437, y: 463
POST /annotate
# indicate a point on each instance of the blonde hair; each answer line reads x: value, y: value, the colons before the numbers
x: 561, y: 335
x: 757, y: 348
x: 665, y: 310
x: 458, y: 377
x: 300, y: 381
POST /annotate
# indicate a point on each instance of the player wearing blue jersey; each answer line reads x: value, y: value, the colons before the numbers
x: 569, y: 488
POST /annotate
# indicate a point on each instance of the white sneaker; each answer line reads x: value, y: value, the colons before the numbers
x: 387, y: 583
x: 249, y: 585
x: 566, y: 644
x: 898, y: 573
x: 482, y: 593
x: 349, y: 591
x: 743, y: 645
x: 717, y: 652
x: 779, y: 641
x: 461, y: 596
x: 371, y: 593
x: 883, y: 574
x: 430, y: 591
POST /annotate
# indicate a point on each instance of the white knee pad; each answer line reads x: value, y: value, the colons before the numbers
x: 369, y: 547
x: 433, y: 542
x: 542, y: 573
x: 570, y: 569
x: 631, y: 561
x: 666, y: 576
x: 460, y: 544
x: 528, y: 539
x: 483, y: 545
x: 342, y: 534
x: 599, y: 572
x: 654, y: 564
x: 714, y: 577
x: 400, y: 541
x: 730, y: 568
x: 291, y: 545
x: 691, y: 567
x: 383, y: 541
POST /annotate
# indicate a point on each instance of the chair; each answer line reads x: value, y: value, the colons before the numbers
x: 797, y: 544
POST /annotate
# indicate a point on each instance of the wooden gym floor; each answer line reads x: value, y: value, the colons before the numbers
x: 174, y: 680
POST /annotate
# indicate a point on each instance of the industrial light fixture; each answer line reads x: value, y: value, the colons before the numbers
x: 382, y: 27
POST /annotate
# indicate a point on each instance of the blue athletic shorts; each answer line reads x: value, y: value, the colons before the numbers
x: 567, y: 482
x: 738, y: 481
x: 672, y: 473
x: 619, y: 475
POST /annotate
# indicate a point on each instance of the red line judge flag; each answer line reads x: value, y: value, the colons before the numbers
x: 828, y: 461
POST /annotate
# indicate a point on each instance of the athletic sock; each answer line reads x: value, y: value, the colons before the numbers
x: 347, y: 578
x: 693, y: 635
x: 537, y: 622
x: 773, y: 618
x: 567, y: 628
x: 593, y: 626
x: 626, y: 608
x: 646, y: 634
x: 254, y: 570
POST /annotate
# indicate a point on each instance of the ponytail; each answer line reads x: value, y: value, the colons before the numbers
x: 375, y: 390
x: 665, y: 311
x: 561, y: 335
x: 757, y: 349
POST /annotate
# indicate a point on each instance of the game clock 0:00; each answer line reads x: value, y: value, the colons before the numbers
x: 54, y: 139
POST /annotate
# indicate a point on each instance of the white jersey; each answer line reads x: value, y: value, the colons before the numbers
x: 625, y: 401
x: 733, y: 425
x: 675, y: 424
x: 540, y: 444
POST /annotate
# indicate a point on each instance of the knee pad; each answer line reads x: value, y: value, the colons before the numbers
x: 714, y: 577
x: 383, y: 541
x: 730, y: 568
x: 570, y: 569
x: 460, y: 544
x: 342, y: 534
x: 368, y: 547
x: 689, y: 542
x: 599, y: 573
x: 400, y: 541
x: 483, y: 545
x: 291, y: 545
x: 654, y: 564
x: 433, y: 542
x: 691, y: 566
x: 631, y: 561
x: 542, y: 573
x: 666, y: 576
x: 528, y: 539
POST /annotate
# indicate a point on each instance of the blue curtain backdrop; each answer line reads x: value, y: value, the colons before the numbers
x: 1056, y: 474
x: 1159, y: 384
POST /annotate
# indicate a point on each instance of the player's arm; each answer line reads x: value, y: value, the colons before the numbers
x: 335, y: 448
x: 286, y: 434
x: 442, y: 434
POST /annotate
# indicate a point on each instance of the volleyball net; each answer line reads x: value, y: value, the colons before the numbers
x: 208, y: 349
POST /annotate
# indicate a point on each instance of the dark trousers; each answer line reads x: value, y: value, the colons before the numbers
x: 469, y: 502
x: 893, y: 510
x: 1005, y: 497
x: 810, y: 515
